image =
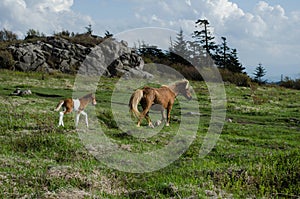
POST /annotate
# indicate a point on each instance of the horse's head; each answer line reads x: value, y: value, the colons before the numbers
x: 184, y: 89
x: 93, y: 99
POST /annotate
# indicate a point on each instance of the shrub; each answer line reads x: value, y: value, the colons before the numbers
x: 6, y: 60
x: 239, y: 79
x: 192, y: 73
x: 86, y: 40
x: 289, y: 83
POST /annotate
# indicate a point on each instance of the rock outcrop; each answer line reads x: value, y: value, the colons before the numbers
x: 109, y: 58
x: 19, y: 92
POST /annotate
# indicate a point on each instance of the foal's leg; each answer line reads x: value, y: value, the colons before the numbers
x: 61, y: 116
x: 86, y: 118
x: 77, y: 118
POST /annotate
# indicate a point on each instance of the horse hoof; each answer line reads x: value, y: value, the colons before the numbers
x: 167, y: 124
x: 151, y: 125
x: 157, y: 123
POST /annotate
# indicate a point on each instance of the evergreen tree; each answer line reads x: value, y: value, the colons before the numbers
x: 89, y: 29
x: 108, y: 34
x: 221, y: 55
x: 6, y: 35
x: 197, y: 54
x: 260, y: 71
x: 179, y: 46
x: 204, y: 36
x: 234, y: 64
x: 179, y: 52
x: 227, y: 58
x: 31, y: 33
x: 150, y: 53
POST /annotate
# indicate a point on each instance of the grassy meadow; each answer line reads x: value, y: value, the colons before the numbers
x: 256, y: 156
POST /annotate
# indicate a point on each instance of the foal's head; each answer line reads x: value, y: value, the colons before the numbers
x: 90, y: 98
x: 93, y: 99
x: 183, y: 89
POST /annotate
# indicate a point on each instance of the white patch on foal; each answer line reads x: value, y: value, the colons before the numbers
x: 76, y: 105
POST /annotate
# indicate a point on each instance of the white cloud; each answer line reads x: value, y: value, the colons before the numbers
x: 188, y: 2
x: 263, y: 8
x: 267, y: 34
x: 52, y: 5
x: 224, y: 9
x: 224, y: 16
x: 43, y: 15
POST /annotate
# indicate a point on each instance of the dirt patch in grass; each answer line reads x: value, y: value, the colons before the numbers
x: 68, y: 194
x: 95, y: 181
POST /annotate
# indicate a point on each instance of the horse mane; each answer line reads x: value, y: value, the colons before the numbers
x: 183, y: 84
x: 90, y: 95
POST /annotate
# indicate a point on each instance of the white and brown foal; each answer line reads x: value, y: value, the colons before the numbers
x: 77, y: 105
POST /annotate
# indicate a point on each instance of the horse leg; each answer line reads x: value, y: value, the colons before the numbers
x: 144, y: 113
x: 77, y: 118
x: 169, y: 115
x: 149, y: 120
x: 86, y: 118
x: 140, y: 120
x: 163, y: 115
x: 61, y: 116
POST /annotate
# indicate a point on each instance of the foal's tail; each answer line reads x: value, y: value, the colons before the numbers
x: 134, y: 101
x: 61, y: 102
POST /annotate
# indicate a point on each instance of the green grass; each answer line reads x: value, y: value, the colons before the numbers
x: 256, y: 156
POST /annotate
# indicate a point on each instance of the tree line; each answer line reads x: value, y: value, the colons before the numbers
x: 182, y: 54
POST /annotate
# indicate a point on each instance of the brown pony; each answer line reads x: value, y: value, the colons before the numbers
x: 164, y: 96
x: 77, y: 105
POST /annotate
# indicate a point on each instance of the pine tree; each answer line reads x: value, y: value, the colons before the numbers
x: 6, y: 35
x: 204, y: 36
x: 31, y: 33
x: 89, y: 29
x: 179, y: 46
x: 260, y: 71
x: 179, y: 52
x: 108, y: 34
x: 197, y: 54
x: 227, y: 58
x: 221, y: 56
x: 234, y: 64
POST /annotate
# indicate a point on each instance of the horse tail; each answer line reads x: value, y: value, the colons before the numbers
x: 61, y: 102
x: 134, y: 101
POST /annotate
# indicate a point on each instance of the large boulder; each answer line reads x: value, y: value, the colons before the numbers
x: 109, y: 58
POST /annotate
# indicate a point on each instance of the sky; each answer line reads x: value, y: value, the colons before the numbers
x: 265, y: 31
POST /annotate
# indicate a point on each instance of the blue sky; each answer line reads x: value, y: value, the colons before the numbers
x: 265, y: 31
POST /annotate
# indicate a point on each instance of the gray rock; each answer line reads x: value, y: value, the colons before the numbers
x: 19, y: 92
x: 110, y: 58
